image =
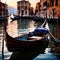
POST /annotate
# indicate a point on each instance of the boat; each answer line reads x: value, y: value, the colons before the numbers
x: 31, y: 41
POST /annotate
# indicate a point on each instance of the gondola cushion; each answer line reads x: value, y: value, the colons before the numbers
x: 31, y: 34
x: 40, y: 31
x: 22, y: 38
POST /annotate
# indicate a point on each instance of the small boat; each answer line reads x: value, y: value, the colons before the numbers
x: 30, y: 41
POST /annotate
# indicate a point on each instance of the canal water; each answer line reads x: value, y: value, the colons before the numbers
x: 24, y: 26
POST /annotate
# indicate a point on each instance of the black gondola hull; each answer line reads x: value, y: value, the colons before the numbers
x: 16, y: 45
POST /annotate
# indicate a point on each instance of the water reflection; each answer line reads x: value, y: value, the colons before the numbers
x: 22, y: 26
x: 26, y: 24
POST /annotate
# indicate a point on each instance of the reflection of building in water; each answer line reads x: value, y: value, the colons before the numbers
x: 32, y: 26
x: 13, y: 28
x: 23, y: 8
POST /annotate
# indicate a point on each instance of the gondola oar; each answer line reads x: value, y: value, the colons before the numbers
x: 4, y: 37
x: 55, y: 39
x: 43, y: 25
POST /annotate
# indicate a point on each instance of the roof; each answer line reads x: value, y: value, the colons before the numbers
x: 24, y: 1
x: 1, y: 3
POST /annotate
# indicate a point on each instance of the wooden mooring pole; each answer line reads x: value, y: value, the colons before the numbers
x: 4, y: 37
x: 3, y: 49
x: 3, y: 43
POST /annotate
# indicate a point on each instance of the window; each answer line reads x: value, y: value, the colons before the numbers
x: 25, y: 12
x: 56, y: 2
x: 22, y: 3
x: 22, y: 7
x: 54, y: 12
x: 51, y: 2
x: 0, y: 13
x: 25, y: 7
x: 18, y: 7
x: 18, y: 2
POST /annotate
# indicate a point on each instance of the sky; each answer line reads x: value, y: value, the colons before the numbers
x: 13, y: 3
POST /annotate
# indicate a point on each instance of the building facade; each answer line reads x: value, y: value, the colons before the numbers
x: 54, y: 8
x: 37, y: 10
x: 51, y: 7
x: 43, y: 8
x: 31, y: 11
x: 3, y: 9
x: 23, y: 8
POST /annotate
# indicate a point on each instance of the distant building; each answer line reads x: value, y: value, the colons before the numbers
x: 31, y: 11
x: 23, y: 8
x: 37, y: 10
x: 43, y: 7
x: 3, y: 9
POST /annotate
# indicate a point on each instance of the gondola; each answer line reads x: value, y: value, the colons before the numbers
x: 31, y: 41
